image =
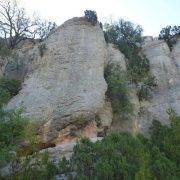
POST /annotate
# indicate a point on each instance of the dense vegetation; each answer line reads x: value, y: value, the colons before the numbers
x: 127, y: 37
x: 169, y: 34
x: 8, y: 89
x: 12, y: 125
x: 18, y: 140
x: 91, y: 17
x: 118, y: 90
x: 124, y: 156
x: 117, y: 156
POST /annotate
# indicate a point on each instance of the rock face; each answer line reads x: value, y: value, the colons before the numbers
x: 116, y: 57
x: 64, y: 88
x: 164, y: 66
x: 21, y: 60
x: 68, y: 79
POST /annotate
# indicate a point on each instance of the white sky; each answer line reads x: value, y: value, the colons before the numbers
x: 152, y: 15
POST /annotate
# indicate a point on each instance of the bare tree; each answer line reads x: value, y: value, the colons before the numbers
x: 15, y: 25
x: 44, y: 28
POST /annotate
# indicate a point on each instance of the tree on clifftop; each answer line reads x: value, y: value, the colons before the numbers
x: 91, y: 16
x: 169, y: 34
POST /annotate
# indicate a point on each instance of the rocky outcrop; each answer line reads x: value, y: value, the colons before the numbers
x: 67, y: 81
x: 64, y: 88
x: 164, y: 66
x: 19, y: 63
x: 114, y: 56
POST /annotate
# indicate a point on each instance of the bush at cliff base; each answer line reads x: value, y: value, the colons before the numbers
x: 117, y: 156
x: 124, y: 156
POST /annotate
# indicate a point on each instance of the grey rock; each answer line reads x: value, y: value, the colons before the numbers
x: 68, y: 79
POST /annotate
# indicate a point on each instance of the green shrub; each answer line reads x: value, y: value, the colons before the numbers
x: 118, y: 90
x: 115, y: 157
x: 16, y: 130
x: 126, y: 36
x: 145, y: 88
x: 167, y: 139
x: 169, y: 34
x: 161, y: 166
x: 124, y: 156
x: 8, y: 88
x: 12, y: 131
x: 11, y: 85
x: 165, y: 148
x: 4, y: 97
x: 36, y: 167
x: 144, y: 93
x: 64, y: 166
x: 91, y: 16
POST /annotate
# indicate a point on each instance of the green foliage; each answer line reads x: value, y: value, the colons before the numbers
x: 8, y: 88
x: 115, y: 157
x: 11, y: 85
x: 31, y: 139
x: 165, y: 148
x: 124, y: 156
x: 36, y: 167
x: 4, y: 97
x: 123, y: 32
x: 118, y: 90
x: 64, y: 166
x: 161, y: 166
x: 91, y: 16
x: 169, y: 35
x: 145, y: 88
x: 128, y: 37
x: 168, y: 139
x: 12, y: 131
x: 16, y: 130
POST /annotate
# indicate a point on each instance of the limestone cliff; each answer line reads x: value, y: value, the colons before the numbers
x: 65, y: 83
x: 164, y: 66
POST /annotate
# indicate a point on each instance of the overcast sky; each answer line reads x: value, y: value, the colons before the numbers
x: 152, y: 15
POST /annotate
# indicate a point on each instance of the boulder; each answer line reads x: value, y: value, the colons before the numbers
x: 67, y: 79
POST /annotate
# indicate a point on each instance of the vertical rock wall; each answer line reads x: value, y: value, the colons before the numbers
x: 65, y: 86
x: 68, y: 79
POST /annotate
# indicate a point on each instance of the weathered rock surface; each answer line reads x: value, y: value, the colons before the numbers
x: 64, y: 150
x: 20, y: 61
x: 114, y: 56
x: 68, y: 79
x: 65, y: 83
x: 164, y: 66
